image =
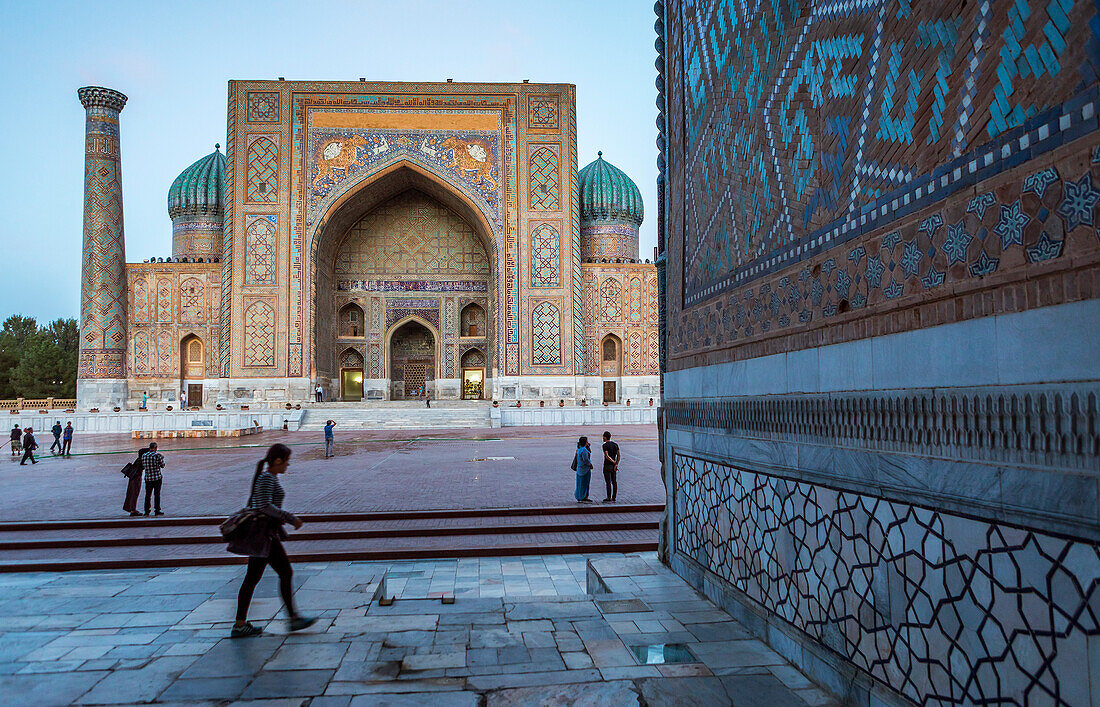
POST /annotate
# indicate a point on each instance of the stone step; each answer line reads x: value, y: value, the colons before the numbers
x: 164, y: 542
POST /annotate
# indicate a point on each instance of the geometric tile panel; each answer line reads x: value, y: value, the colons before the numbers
x: 611, y: 300
x: 545, y: 256
x: 414, y: 235
x: 943, y: 608
x: 543, y: 112
x: 543, y: 187
x: 262, y: 186
x: 259, y: 334
x: 259, y: 254
x: 262, y: 106
x: 545, y: 335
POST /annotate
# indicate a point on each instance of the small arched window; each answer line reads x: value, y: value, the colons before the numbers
x: 610, y: 352
x: 194, y: 351
x: 351, y: 321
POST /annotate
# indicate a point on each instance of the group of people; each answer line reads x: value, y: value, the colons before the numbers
x: 582, y: 464
x: 23, y: 441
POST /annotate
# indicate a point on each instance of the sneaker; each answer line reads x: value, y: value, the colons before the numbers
x: 159, y: 513
x: 300, y: 622
x: 146, y: 514
x: 606, y: 500
x: 246, y: 631
x: 134, y: 513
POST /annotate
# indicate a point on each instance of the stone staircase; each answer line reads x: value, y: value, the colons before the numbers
x: 397, y: 414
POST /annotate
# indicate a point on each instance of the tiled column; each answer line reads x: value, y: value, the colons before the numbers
x: 101, y: 379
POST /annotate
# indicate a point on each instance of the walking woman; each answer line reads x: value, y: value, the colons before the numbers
x: 133, y: 473
x: 582, y: 464
x: 267, y: 498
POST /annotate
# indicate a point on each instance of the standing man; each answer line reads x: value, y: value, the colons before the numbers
x: 183, y: 398
x: 56, y: 430
x: 16, y: 441
x: 144, y: 400
x: 29, y: 445
x: 610, y: 467
x: 67, y: 440
x: 330, y: 441
x: 151, y: 463
x: 319, y: 393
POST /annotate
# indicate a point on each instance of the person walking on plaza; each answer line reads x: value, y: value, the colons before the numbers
x: 151, y: 463
x: 29, y: 445
x: 56, y: 430
x: 319, y: 393
x: 267, y: 498
x: 610, y: 467
x: 16, y: 441
x: 67, y: 440
x: 330, y: 440
x: 582, y: 464
x: 133, y: 473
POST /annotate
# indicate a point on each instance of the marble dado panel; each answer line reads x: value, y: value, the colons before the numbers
x: 1043, y: 426
x: 940, y: 607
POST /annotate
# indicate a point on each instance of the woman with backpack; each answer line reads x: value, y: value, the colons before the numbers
x: 266, y: 542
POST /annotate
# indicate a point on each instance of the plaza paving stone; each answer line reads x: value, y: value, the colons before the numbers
x: 522, y: 467
x: 106, y: 639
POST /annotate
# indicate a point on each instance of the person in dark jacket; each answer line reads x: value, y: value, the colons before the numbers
x: 267, y: 498
x: 56, y: 430
x: 16, y: 441
x: 133, y: 488
x: 29, y: 445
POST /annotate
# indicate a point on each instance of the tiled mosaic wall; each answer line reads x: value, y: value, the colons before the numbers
x: 620, y: 299
x: 168, y: 303
x: 831, y: 165
x: 944, y: 608
x: 501, y: 154
x: 838, y: 177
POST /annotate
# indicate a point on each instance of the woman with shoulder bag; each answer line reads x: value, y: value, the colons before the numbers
x: 266, y: 501
x: 582, y: 464
x: 132, y: 471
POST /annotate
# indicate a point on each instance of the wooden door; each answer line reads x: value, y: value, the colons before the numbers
x: 194, y: 395
x: 609, y: 392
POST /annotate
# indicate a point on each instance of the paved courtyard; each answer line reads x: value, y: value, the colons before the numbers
x: 521, y: 631
x: 383, y: 470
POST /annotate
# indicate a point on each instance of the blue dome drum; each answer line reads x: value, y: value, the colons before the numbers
x: 195, y: 204
x: 610, y: 210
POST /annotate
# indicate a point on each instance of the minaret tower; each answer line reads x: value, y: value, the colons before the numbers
x: 101, y: 379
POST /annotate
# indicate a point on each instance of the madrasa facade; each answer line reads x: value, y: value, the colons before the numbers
x: 384, y: 241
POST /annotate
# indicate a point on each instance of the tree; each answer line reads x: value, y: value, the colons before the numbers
x: 38, y: 362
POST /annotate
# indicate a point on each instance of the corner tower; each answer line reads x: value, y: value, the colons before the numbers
x: 611, y: 212
x: 195, y: 207
x: 101, y: 378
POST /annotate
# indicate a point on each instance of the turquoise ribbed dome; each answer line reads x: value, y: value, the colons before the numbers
x: 607, y: 194
x: 199, y: 188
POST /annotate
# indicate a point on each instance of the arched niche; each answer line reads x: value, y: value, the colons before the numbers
x: 350, y: 322
x: 342, y: 216
x: 611, y: 366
